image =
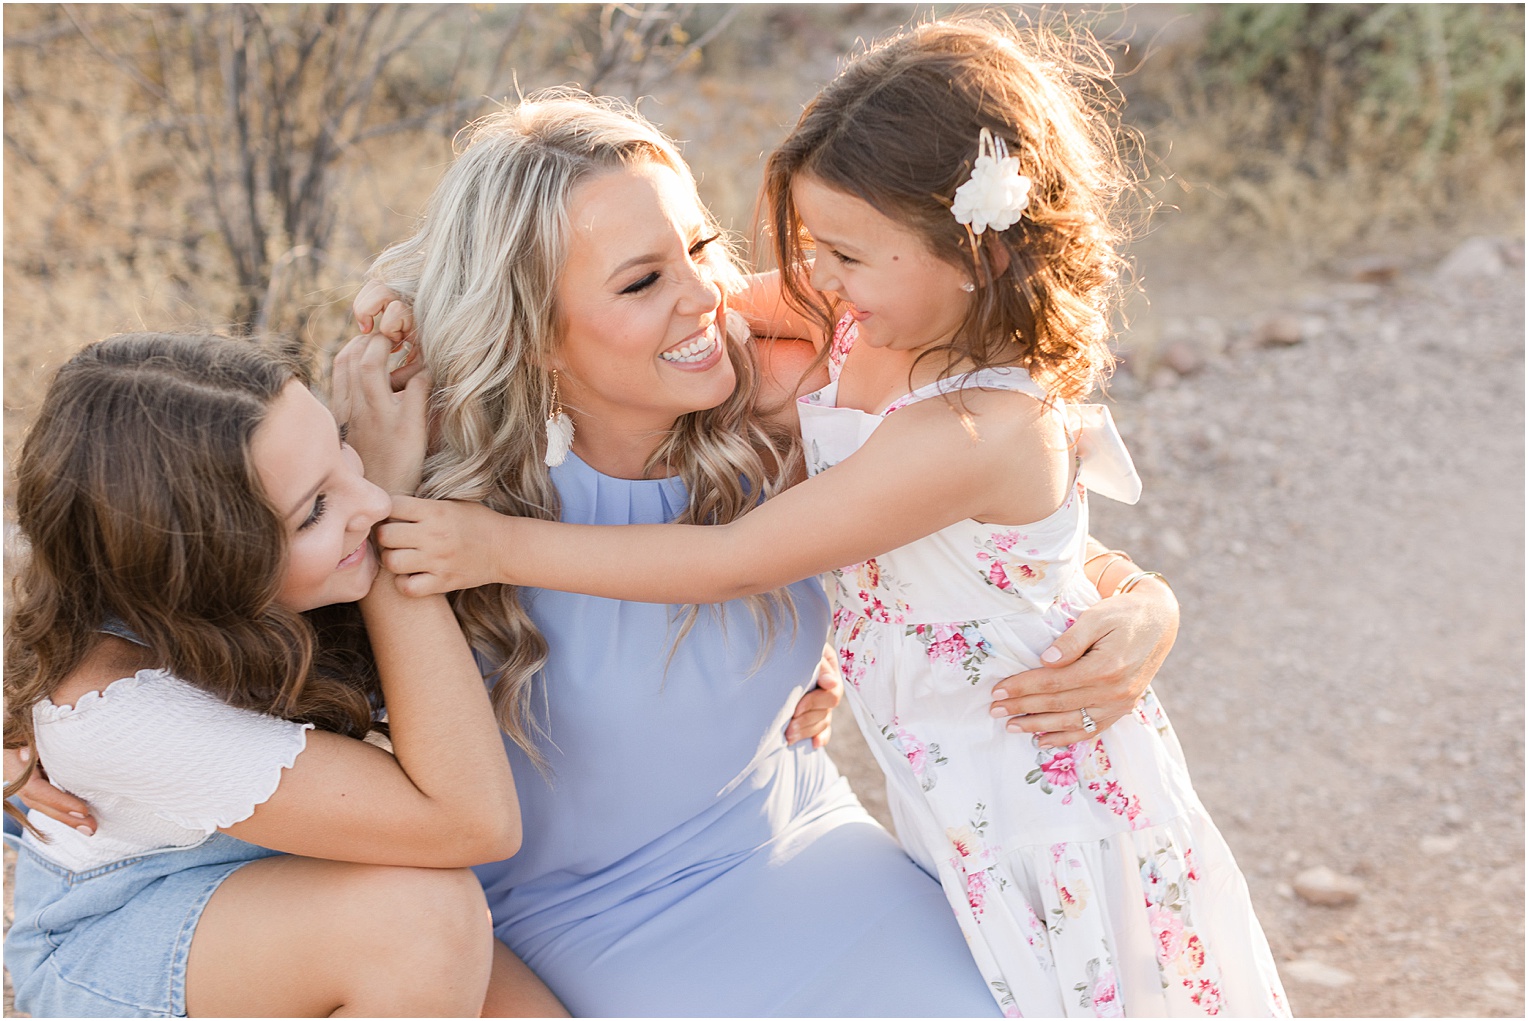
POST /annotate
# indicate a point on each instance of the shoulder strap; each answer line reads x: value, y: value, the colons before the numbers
x: 1004, y: 378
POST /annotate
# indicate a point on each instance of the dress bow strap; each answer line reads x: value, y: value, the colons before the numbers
x: 1106, y: 467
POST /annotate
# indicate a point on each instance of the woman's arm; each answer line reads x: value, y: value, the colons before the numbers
x: 762, y: 302
x: 1103, y: 663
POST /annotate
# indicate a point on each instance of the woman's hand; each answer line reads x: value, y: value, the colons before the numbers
x: 442, y: 545
x: 40, y: 795
x: 1102, y: 664
x: 387, y: 428
x: 813, y: 717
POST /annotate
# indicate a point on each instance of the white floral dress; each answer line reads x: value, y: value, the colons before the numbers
x: 1088, y: 880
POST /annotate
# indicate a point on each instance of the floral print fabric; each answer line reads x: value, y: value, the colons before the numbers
x: 1081, y: 876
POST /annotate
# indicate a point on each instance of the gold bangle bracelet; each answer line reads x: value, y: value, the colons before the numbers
x: 1107, y: 565
x: 1135, y: 579
x: 1116, y: 552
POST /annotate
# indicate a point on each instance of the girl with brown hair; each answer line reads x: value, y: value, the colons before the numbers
x: 943, y: 211
x: 177, y: 657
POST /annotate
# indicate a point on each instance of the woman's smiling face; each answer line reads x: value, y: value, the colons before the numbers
x: 641, y: 338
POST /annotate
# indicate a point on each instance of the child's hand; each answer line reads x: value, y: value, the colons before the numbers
x: 1103, y: 663
x: 380, y: 312
x: 40, y: 795
x: 387, y: 428
x: 813, y: 717
x: 441, y: 545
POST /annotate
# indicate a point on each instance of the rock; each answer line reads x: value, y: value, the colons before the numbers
x: 1355, y: 293
x: 1313, y: 972
x: 1172, y: 543
x: 1182, y: 357
x: 1474, y: 258
x: 1281, y: 330
x: 1436, y: 845
x: 1320, y: 885
x: 1455, y: 814
x: 1373, y: 269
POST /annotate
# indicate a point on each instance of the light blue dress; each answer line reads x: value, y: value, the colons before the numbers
x: 679, y: 858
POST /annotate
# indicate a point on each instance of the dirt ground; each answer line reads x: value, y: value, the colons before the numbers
x: 1342, y: 519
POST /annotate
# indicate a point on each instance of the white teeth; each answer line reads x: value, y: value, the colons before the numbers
x: 696, y: 350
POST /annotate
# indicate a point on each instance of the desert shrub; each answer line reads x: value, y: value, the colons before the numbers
x: 1329, y: 123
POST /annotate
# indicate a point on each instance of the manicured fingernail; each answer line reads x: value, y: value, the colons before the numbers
x: 998, y: 710
x: 1013, y: 727
x: 78, y: 815
x: 1051, y: 655
x: 999, y: 693
x: 25, y: 753
x: 85, y: 830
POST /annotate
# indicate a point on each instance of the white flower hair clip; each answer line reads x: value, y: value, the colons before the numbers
x: 997, y: 194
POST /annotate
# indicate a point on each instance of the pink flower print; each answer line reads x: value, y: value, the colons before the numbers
x: 1190, y: 872
x: 1012, y: 1010
x: 1059, y: 769
x: 1207, y: 997
x: 1168, y: 929
x: 868, y: 574
x: 917, y: 755
x: 997, y: 576
x: 1006, y: 541
x: 962, y: 839
x: 1057, y: 850
x: 949, y: 644
x: 976, y: 891
x: 1106, y: 995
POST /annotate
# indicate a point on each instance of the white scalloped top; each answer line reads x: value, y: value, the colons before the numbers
x: 162, y: 764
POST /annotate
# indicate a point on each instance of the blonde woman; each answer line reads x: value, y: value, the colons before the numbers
x: 681, y: 857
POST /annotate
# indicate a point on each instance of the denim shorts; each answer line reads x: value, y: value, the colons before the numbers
x: 112, y: 941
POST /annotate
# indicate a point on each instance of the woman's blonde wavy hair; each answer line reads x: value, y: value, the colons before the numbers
x: 482, y: 273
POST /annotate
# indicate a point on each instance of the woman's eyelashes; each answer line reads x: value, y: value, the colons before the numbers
x: 843, y: 259
x: 647, y: 281
x: 320, y: 503
x: 640, y: 285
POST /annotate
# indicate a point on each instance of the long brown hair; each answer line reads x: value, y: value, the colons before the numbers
x: 137, y: 496
x: 899, y: 129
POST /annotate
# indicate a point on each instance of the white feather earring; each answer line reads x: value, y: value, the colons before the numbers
x: 559, y: 430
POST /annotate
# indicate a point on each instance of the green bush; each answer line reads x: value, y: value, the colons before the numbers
x: 1412, y: 82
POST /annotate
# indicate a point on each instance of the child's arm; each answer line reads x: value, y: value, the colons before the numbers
x: 444, y: 798
x: 920, y: 471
